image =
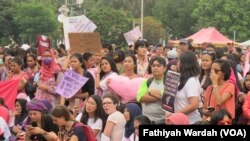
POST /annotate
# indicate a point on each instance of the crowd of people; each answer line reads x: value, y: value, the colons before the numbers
x: 213, y: 90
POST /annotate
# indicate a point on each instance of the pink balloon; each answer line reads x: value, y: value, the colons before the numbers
x: 124, y: 87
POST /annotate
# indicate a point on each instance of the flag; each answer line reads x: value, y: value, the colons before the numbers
x: 8, y: 91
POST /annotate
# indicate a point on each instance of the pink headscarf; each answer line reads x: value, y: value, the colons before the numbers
x: 48, y: 71
x: 178, y: 119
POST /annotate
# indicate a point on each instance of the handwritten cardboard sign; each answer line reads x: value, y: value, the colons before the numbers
x: 71, y: 83
x: 171, y: 83
x: 85, y: 42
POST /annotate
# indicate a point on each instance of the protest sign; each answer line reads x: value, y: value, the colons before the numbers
x: 133, y: 35
x: 171, y: 83
x: 85, y: 42
x: 71, y: 84
x: 77, y: 24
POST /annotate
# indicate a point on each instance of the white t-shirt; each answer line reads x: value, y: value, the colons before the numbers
x: 191, y: 89
x: 5, y: 129
x: 98, y: 124
x: 118, y: 130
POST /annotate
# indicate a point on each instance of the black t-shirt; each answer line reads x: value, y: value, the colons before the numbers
x: 90, y: 84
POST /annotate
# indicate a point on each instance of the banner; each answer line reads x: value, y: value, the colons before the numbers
x: 194, y: 132
x: 77, y: 24
x: 171, y: 83
x: 71, y: 83
x: 85, y: 42
x: 8, y: 91
x: 133, y: 35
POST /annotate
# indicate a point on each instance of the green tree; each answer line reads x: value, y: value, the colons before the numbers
x: 153, y: 29
x: 111, y: 24
x: 226, y: 15
x: 176, y: 16
x: 126, y: 5
x: 35, y: 18
x: 7, y: 28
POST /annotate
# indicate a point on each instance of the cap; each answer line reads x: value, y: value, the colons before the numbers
x: 183, y: 41
x: 172, y: 54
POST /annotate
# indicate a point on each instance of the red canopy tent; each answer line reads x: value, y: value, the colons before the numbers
x: 209, y: 35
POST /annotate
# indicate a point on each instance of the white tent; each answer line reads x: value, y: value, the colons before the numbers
x: 245, y: 44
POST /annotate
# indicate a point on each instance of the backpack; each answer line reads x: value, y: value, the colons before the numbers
x: 90, y: 136
x: 149, y: 81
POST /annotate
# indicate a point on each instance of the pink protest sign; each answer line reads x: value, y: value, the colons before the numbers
x: 71, y: 83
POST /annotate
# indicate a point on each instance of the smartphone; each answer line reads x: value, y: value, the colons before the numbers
x: 77, y: 103
x: 34, y: 124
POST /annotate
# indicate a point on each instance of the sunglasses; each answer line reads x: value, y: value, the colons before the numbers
x: 207, y: 52
x: 225, y: 122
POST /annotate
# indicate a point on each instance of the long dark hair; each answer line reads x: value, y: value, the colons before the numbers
x: 24, y: 112
x: 112, y: 65
x: 189, y: 67
x: 99, y: 113
x: 202, y: 74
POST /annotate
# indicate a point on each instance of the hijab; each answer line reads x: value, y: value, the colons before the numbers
x: 48, y: 71
x: 134, y: 111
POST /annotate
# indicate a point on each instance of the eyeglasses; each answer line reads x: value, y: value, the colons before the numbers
x: 107, y: 103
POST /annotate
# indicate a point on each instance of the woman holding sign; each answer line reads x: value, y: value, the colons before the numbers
x: 188, y: 94
x: 76, y: 62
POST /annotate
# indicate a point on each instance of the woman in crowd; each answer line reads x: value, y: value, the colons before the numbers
x: 115, y: 125
x: 48, y: 78
x: 188, y: 94
x: 220, y: 94
x: 20, y: 113
x: 94, y: 115
x: 17, y: 73
x: 129, y: 66
x: 89, y: 63
x: 108, y: 70
x: 76, y: 62
x: 32, y: 67
x: 131, y: 111
x: 204, y: 77
x: 39, y: 125
x: 68, y: 129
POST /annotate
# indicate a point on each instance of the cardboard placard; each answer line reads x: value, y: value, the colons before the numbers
x: 71, y: 83
x: 85, y: 42
x: 172, y: 80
